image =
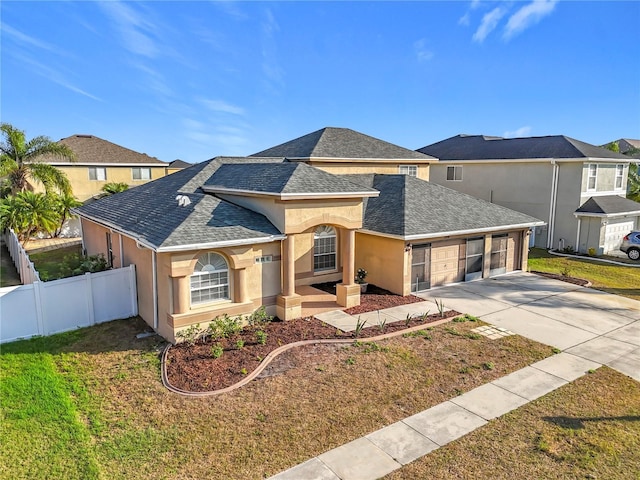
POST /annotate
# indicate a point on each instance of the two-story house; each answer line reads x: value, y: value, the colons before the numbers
x: 577, y: 188
x: 99, y: 162
x: 231, y: 234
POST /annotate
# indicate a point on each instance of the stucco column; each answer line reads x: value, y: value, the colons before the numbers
x: 181, y: 294
x: 348, y: 256
x: 288, y: 267
x: 242, y: 294
x: 524, y: 261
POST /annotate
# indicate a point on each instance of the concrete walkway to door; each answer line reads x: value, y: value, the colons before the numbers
x: 592, y: 328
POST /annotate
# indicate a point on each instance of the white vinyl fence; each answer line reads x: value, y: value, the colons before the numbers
x: 45, y: 308
x: 21, y: 260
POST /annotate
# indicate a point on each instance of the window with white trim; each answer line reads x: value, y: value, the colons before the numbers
x: 324, y: 248
x: 141, y: 173
x: 619, y: 176
x: 210, y: 279
x: 97, y: 173
x: 411, y: 170
x: 592, y: 176
x: 454, y: 173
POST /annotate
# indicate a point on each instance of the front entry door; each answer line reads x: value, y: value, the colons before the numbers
x: 420, y: 267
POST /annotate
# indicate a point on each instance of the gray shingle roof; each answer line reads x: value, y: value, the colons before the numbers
x: 479, y: 147
x: 410, y: 207
x: 609, y: 205
x: 280, y: 178
x: 150, y: 213
x: 344, y: 143
x: 92, y: 149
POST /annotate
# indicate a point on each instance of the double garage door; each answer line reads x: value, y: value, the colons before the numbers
x: 452, y: 261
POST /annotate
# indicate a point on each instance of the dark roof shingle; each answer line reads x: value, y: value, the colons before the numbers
x: 410, y: 207
x: 479, y: 147
x: 609, y: 205
x: 344, y: 143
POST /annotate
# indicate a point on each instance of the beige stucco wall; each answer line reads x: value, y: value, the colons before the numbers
x: 83, y: 188
x: 389, y: 168
x: 386, y: 261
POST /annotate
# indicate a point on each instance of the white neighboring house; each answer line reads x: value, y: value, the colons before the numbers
x: 578, y: 188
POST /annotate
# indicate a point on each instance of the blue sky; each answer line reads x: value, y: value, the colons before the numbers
x: 193, y: 80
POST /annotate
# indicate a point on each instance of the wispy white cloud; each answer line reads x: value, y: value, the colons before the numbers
x: 25, y: 39
x: 55, y: 76
x: 520, y: 132
x: 528, y: 15
x: 422, y: 51
x: 231, y: 8
x: 136, y: 29
x: 154, y: 81
x: 221, y: 106
x: 466, y: 18
x: 271, y: 68
x: 489, y: 23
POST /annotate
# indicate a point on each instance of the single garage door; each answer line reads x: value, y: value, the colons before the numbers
x: 613, y: 233
x: 444, y: 264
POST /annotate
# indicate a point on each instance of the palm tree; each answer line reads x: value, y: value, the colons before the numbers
x: 114, y: 187
x: 633, y: 183
x: 28, y: 213
x: 20, y: 162
x: 62, y: 205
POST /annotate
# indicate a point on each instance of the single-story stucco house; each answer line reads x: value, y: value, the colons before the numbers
x: 231, y: 234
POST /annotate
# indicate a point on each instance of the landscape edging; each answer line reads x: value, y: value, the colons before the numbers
x: 274, y: 353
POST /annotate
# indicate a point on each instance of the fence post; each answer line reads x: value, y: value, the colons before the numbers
x: 39, y: 312
x: 133, y: 287
x: 89, y: 294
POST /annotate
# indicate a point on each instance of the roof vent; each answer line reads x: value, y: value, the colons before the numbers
x: 183, y: 200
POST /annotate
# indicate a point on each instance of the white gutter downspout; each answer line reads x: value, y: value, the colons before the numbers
x: 552, y: 203
x: 154, y: 269
x: 578, y: 235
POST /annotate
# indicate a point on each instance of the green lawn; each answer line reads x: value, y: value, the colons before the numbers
x: 57, y: 263
x: 616, y: 279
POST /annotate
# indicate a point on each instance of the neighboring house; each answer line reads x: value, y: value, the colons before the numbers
x: 99, y: 162
x: 228, y: 235
x: 555, y: 178
x: 176, y: 166
x: 626, y: 144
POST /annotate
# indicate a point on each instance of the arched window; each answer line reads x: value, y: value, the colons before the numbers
x: 210, y: 279
x: 324, y: 248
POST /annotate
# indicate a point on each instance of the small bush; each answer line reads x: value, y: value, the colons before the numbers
x: 261, y: 337
x: 217, y: 351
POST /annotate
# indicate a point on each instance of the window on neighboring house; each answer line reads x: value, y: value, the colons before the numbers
x: 97, y: 173
x: 454, y: 173
x: 619, y: 176
x: 141, y: 173
x: 109, y: 251
x: 210, y: 279
x: 324, y: 248
x: 411, y: 170
x: 592, y: 176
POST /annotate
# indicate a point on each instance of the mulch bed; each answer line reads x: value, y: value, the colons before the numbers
x: 193, y: 367
x: 556, y: 276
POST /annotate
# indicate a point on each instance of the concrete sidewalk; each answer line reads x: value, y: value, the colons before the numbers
x: 592, y: 328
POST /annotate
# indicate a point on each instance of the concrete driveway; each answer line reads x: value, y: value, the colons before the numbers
x: 588, y: 323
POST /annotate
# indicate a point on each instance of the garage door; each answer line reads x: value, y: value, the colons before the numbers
x: 613, y: 233
x: 444, y: 264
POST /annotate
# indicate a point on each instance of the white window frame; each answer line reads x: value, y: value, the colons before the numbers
x: 619, y: 177
x: 209, y: 282
x: 411, y: 170
x: 593, y: 176
x: 325, y: 249
x: 456, y: 173
x: 139, y: 171
x: 94, y: 174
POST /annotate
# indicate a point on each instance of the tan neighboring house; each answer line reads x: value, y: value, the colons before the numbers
x: 99, y: 162
x: 231, y: 234
x: 176, y: 166
x: 578, y: 189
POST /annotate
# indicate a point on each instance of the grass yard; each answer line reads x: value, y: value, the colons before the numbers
x: 50, y: 264
x: 588, y: 429
x: 616, y: 279
x: 89, y: 404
